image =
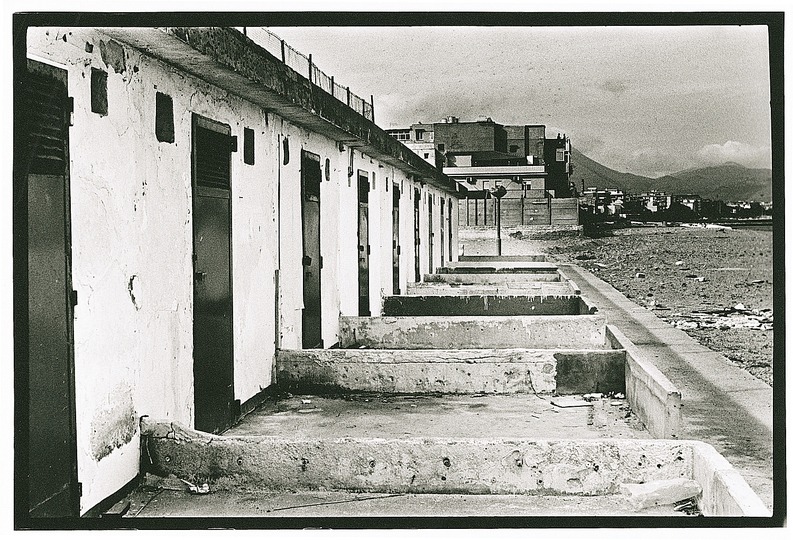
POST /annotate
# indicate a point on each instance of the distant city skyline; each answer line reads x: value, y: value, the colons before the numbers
x: 645, y: 100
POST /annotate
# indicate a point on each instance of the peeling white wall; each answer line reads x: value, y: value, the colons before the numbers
x: 132, y: 245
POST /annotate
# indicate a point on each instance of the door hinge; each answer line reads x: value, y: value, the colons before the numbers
x: 320, y: 262
x: 73, y: 298
x: 233, y: 143
x: 399, y: 250
x: 79, y: 489
x: 70, y: 111
x: 368, y: 250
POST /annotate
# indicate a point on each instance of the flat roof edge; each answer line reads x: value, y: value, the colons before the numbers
x: 230, y: 60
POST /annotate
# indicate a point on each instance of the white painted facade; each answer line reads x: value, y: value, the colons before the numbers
x: 132, y: 246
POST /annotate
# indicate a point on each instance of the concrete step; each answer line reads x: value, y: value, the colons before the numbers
x: 510, y: 279
x: 484, y: 305
x: 537, y: 257
x: 451, y: 371
x: 489, y: 267
x: 442, y: 465
x: 538, y: 288
x: 474, y: 332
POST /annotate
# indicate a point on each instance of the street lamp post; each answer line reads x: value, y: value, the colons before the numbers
x: 498, y: 192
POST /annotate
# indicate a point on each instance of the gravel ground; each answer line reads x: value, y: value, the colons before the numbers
x: 714, y: 284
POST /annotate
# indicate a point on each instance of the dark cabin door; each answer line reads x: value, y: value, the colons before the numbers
x: 363, y: 245
x: 417, y: 233
x: 310, y: 178
x: 213, y: 350
x: 396, y: 249
x: 449, y: 208
x: 441, y: 219
x: 431, y: 233
x: 42, y: 207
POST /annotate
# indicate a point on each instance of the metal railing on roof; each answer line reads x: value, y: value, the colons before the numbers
x: 304, y: 65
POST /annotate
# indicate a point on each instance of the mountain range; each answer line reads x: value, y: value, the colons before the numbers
x: 728, y: 182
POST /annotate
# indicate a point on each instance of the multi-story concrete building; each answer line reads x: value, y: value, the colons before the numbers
x: 191, y: 204
x: 694, y: 202
x: 484, y: 155
x: 654, y: 201
x: 604, y: 201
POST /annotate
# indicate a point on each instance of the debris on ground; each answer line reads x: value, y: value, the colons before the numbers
x: 688, y: 506
x: 570, y: 401
x: 203, y: 489
x: 660, y: 492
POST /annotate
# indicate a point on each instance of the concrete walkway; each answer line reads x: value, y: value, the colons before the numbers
x: 722, y: 405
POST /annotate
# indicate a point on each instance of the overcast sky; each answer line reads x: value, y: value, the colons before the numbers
x: 645, y: 100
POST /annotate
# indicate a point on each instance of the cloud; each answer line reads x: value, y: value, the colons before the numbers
x: 744, y: 154
x: 614, y: 86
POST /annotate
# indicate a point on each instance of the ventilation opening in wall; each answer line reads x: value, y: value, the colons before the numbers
x: 248, y: 154
x: 163, y: 125
x: 98, y: 91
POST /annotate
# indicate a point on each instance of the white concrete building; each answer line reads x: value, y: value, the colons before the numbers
x: 212, y: 206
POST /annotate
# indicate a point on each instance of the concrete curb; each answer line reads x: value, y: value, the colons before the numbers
x: 651, y: 395
x: 724, y: 491
x: 433, y: 465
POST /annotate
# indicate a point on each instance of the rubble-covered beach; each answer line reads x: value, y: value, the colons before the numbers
x: 716, y: 284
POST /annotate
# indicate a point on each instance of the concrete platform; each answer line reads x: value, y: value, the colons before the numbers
x: 524, y: 332
x: 534, y: 257
x: 528, y: 288
x: 369, y: 509
x: 432, y: 304
x: 486, y: 267
x: 388, y: 416
x: 504, y: 278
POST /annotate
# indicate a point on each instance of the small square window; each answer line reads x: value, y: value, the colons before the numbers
x: 163, y: 123
x: 441, y: 147
x: 98, y: 91
x: 248, y: 140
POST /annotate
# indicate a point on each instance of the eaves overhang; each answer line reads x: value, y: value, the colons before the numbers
x: 496, y: 171
x: 226, y: 58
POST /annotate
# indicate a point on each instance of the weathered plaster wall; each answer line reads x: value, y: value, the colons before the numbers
x: 132, y: 245
x: 132, y: 249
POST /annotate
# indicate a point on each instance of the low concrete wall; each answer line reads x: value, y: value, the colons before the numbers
x: 526, y: 332
x: 451, y: 371
x: 495, y: 279
x: 538, y: 288
x: 497, y: 266
x: 651, y: 395
x: 428, y: 465
x: 506, y: 258
x: 401, y: 371
x: 477, y: 305
x: 724, y: 491
x: 582, y: 372
x: 435, y: 465
x: 570, y: 282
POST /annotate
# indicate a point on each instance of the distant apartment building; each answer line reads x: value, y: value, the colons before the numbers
x: 483, y: 155
x: 604, y: 201
x: 694, y: 202
x: 654, y: 201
